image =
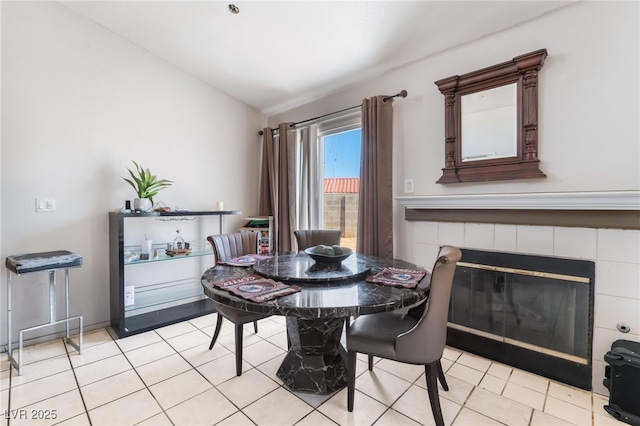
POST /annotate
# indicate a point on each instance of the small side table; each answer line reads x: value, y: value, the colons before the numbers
x: 41, y: 262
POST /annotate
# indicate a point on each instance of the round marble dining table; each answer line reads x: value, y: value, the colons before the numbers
x: 315, y: 315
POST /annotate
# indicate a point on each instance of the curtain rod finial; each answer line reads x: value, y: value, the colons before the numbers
x: 403, y: 93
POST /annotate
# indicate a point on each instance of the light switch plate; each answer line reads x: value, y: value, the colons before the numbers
x: 45, y: 204
x: 408, y: 186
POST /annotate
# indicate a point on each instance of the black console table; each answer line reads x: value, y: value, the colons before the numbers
x: 161, y: 290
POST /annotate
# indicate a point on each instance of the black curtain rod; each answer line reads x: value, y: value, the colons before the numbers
x: 402, y: 94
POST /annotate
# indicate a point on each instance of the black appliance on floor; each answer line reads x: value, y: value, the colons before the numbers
x: 622, y: 378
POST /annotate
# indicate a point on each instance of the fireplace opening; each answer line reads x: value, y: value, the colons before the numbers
x: 531, y: 312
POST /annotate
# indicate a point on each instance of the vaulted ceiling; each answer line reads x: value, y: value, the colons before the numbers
x: 275, y: 55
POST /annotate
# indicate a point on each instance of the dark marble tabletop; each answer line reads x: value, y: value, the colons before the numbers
x: 332, y: 293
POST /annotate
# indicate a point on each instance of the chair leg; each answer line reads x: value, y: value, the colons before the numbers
x: 217, y: 332
x: 351, y: 379
x: 370, y: 362
x: 238, y: 349
x: 431, y: 371
x: 443, y: 380
x: 255, y: 327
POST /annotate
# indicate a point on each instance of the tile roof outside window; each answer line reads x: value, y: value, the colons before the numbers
x: 341, y: 185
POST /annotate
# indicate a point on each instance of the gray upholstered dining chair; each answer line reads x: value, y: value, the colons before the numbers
x: 312, y: 237
x: 225, y: 247
x: 417, y: 337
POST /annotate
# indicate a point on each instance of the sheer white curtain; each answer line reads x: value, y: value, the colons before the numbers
x: 310, y: 179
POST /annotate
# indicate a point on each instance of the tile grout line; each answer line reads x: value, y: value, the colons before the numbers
x: 102, y: 359
x: 123, y: 396
x: 549, y: 384
x: 11, y: 376
x: 75, y: 377
x: 239, y: 410
x: 162, y: 410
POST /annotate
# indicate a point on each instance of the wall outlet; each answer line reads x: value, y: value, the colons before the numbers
x: 129, y: 295
x: 45, y: 204
x: 408, y: 186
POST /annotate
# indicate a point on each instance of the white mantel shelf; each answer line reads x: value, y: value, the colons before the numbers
x: 609, y: 200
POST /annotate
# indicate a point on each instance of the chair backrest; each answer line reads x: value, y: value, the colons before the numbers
x: 313, y: 237
x: 228, y: 246
x: 425, y: 342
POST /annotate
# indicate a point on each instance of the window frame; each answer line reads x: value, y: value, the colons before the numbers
x: 344, y: 123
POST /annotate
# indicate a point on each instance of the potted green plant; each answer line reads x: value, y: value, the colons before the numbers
x: 146, y: 186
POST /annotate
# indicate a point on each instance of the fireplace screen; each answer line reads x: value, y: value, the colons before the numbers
x: 535, y: 305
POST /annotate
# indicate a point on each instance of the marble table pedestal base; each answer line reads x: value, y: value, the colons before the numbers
x: 316, y: 361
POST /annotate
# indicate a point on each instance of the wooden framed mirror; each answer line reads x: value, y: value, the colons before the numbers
x: 491, y: 122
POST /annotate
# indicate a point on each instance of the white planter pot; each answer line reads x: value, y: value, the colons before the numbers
x: 142, y: 204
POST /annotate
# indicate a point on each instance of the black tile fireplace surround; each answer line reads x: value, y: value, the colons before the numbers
x: 532, y: 312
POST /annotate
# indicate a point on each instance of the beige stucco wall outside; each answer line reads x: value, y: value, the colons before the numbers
x: 341, y: 212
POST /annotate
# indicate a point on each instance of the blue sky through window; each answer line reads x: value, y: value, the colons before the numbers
x: 342, y: 154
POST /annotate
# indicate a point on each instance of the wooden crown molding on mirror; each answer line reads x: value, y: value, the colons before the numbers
x: 520, y: 159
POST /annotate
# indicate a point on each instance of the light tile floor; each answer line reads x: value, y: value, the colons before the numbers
x: 169, y: 377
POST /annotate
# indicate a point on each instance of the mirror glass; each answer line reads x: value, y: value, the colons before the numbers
x: 489, y: 124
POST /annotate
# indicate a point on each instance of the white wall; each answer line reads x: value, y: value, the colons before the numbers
x: 588, y: 138
x: 78, y: 104
x: 2, y: 308
x: 588, y: 113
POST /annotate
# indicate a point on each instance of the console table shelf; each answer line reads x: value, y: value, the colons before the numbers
x: 162, y: 290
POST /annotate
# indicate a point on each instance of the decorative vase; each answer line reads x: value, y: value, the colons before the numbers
x: 142, y: 204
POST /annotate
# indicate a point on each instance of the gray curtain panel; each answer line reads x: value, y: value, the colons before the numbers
x: 277, y: 184
x: 286, y: 187
x: 375, y: 213
x: 267, y: 201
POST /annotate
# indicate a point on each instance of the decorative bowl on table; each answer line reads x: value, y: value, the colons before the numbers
x: 330, y: 255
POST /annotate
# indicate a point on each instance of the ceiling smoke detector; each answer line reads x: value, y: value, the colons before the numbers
x: 234, y: 9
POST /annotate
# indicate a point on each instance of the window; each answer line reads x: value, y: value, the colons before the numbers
x: 339, y: 142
